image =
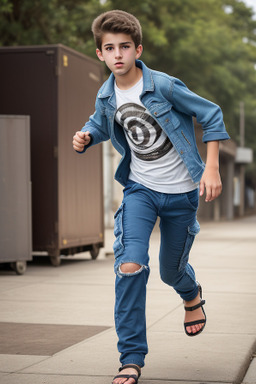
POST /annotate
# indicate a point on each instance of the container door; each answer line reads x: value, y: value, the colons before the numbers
x: 80, y: 175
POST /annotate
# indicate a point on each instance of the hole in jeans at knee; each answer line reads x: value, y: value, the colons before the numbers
x: 129, y: 269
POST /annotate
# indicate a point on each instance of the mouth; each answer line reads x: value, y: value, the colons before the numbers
x: 119, y: 64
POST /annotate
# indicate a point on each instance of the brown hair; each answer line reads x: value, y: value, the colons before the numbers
x: 116, y: 21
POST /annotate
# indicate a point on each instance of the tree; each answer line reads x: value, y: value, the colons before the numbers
x: 209, y: 44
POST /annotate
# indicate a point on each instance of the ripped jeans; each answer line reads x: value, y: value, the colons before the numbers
x: 134, y: 222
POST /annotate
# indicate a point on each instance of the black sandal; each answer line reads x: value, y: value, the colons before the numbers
x: 202, y: 321
x: 135, y: 377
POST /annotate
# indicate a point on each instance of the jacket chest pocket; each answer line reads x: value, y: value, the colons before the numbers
x: 163, y: 112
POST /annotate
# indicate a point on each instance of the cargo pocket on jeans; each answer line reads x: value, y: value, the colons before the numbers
x: 193, y: 230
x: 118, y: 245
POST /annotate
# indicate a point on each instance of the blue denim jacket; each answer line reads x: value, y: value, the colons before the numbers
x: 173, y: 105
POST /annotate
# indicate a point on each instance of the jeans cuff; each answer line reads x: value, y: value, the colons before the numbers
x: 133, y: 358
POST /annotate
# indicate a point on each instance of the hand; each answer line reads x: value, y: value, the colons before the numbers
x: 80, y: 140
x: 211, y: 182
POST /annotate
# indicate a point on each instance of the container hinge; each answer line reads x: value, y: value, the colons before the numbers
x: 55, y: 152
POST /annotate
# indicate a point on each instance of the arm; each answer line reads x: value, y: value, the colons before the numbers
x: 211, y: 181
x: 94, y: 131
x: 207, y: 113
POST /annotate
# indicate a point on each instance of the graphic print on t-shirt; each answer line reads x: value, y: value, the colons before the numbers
x: 146, y: 138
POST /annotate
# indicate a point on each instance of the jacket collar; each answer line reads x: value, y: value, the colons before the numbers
x: 108, y: 89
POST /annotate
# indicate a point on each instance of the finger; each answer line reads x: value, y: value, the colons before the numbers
x: 219, y: 190
x: 208, y: 194
x: 216, y: 191
x: 78, y: 147
x: 213, y: 193
x: 80, y: 134
x: 201, y: 188
x: 78, y: 141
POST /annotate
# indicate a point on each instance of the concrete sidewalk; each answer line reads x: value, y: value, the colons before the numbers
x: 79, y: 295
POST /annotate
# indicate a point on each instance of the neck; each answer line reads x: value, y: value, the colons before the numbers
x: 129, y: 79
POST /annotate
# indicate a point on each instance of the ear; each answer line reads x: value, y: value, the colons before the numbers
x: 99, y: 54
x: 139, y: 51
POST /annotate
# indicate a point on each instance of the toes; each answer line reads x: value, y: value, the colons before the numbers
x: 123, y: 381
x: 119, y: 381
x: 194, y: 328
x: 130, y: 381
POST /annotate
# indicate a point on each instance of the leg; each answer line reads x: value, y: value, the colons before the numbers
x: 178, y: 230
x: 134, y: 222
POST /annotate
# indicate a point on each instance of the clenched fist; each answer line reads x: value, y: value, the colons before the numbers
x: 80, y: 140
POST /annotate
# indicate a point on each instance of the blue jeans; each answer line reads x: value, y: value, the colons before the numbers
x: 134, y: 222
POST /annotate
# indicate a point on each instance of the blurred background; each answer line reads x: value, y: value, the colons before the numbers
x: 208, y: 44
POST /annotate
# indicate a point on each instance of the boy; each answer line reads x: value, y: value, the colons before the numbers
x: 148, y: 117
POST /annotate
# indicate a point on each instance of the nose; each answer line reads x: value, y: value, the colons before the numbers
x: 118, y: 53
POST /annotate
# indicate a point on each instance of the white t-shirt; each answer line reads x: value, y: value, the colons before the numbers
x: 155, y: 163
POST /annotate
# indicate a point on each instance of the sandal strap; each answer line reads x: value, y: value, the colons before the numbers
x: 188, y: 324
x: 135, y: 377
x: 195, y: 306
x: 134, y: 366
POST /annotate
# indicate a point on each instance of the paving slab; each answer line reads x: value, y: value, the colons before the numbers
x: 57, y: 313
x: 98, y: 353
x: 221, y: 310
x: 71, y: 379
x: 42, y: 339
x: 250, y: 377
x: 227, y: 280
x: 8, y: 283
x: 14, y: 363
x: 81, y: 292
x: 173, y: 356
x: 223, y: 254
x: 51, y: 292
x: 209, y: 357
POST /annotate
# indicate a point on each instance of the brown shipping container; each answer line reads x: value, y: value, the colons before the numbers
x: 57, y: 86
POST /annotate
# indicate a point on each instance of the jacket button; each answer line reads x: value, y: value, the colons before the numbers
x: 155, y: 113
x: 167, y: 120
x: 181, y: 152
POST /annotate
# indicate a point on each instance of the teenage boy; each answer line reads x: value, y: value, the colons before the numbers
x: 148, y: 117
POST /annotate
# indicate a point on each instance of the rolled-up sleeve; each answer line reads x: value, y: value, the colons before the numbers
x: 207, y: 113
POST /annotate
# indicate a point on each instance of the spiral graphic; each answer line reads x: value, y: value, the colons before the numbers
x: 146, y: 138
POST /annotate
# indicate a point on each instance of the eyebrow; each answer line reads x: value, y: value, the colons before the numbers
x: 123, y: 43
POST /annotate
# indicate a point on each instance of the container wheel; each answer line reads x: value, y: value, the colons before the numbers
x: 19, y: 267
x: 95, y: 251
x: 55, y: 261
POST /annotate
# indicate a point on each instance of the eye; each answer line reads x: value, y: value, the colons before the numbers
x: 109, y: 49
x: 126, y: 46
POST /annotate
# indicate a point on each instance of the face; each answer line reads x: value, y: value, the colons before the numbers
x: 119, y: 53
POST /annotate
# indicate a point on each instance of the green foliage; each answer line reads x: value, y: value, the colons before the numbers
x: 209, y: 44
x: 5, y: 6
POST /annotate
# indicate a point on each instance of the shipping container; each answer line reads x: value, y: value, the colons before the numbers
x: 57, y: 86
x: 15, y: 192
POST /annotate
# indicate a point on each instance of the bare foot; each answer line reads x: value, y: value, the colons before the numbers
x: 122, y: 380
x: 195, y: 315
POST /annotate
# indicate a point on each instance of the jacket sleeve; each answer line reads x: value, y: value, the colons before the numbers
x: 208, y: 114
x: 97, y: 126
